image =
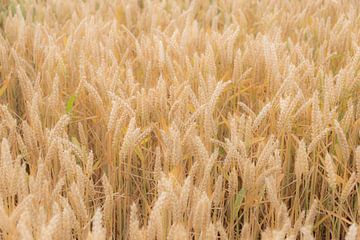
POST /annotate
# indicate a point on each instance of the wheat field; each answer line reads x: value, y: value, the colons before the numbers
x: 179, y: 119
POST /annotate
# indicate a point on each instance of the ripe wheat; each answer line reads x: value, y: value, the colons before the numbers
x: 179, y: 119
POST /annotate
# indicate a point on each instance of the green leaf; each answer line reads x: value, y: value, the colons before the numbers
x: 70, y: 104
x: 239, y: 198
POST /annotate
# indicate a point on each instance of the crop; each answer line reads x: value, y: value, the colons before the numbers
x: 179, y: 119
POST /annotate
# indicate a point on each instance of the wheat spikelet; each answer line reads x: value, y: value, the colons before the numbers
x: 245, y: 232
x: 311, y: 214
x: 78, y: 203
x: 57, y: 131
x: 307, y: 233
x: 118, y: 126
x: 35, y: 117
x: 352, y: 233
x: 210, y: 233
x: 154, y: 228
x: 208, y: 167
x: 317, y: 139
x: 23, y: 227
x: 330, y: 171
x: 108, y: 203
x: 124, y: 104
x: 157, y: 165
x: 208, y: 120
x: 301, y: 161
x: 357, y: 162
x: 178, y: 232
x: 266, y: 152
x: 218, y: 188
x: 306, y: 229
x: 348, y: 117
x: 296, y: 228
x: 82, y: 134
x: 184, y: 194
x: 134, y: 223
x: 29, y: 138
x: 98, y: 231
x: 112, y: 116
x: 129, y: 139
x: 25, y: 84
x: 52, y: 150
x: 316, y: 118
x: 342, y: 140
x: 93, y: 93
x: 262, y: 114
x: 271, y: 191
x: 248, y: 175
x: 67, y: 221
x: 247, y: 109
x: 202, y: 213
x: 48, y: 230
x: 58, y: 188
x: 55, y: 95
x: 210, y: 60
x: 348, y: 187
x: 237, y: 69
x: 89, y: 163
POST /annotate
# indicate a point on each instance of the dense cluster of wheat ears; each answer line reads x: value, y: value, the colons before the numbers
x: 179, y: 119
